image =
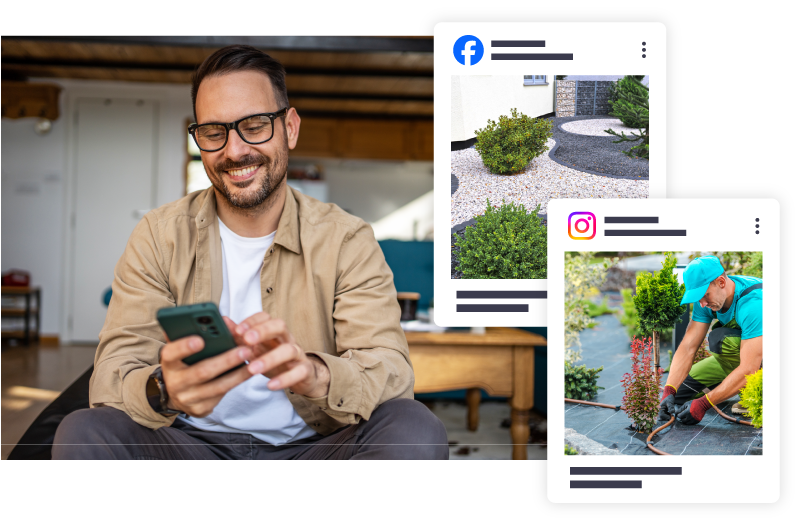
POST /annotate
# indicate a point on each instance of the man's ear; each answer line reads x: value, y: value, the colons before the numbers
x: 292, y: 121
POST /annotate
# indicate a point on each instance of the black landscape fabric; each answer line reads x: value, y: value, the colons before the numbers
x: 608, y: 345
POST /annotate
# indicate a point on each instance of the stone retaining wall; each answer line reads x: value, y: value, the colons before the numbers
x: 565, y: 97
x: 593, y: 98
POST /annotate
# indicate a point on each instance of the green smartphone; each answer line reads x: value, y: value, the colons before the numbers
x: 200, y: 319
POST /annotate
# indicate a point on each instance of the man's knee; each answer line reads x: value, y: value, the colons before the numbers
x: 90, y: 433
x: 415, y: 428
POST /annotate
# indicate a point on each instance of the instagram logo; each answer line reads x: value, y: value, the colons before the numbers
x: 582, y: 225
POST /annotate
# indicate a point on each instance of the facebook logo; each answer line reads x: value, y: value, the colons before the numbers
x: 468, y: 50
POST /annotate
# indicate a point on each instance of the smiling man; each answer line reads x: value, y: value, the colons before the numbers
x: 304, y: 288
x: 735, y: 341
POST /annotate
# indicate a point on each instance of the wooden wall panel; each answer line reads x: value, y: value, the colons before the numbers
x: 365, y: 139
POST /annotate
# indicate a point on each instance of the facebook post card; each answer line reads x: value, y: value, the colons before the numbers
x: 581, y: 129
x: 670, y: 350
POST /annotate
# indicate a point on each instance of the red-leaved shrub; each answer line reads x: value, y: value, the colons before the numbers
x: 641, y: 398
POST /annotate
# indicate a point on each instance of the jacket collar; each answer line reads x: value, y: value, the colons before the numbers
x: 288, y: 234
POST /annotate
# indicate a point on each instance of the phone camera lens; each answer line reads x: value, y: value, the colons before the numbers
x: 205, y: 320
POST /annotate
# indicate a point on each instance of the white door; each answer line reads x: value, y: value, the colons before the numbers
x: 115, y: 158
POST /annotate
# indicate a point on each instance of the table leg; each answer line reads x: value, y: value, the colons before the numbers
x: 520, y: 432
x: 522, y: 401
x: 473, y: 405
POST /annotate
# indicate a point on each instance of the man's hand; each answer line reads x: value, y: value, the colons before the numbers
x: 667, y: 409
x: 279, y: 358
x: 691, y: 412
x: 197, y: 389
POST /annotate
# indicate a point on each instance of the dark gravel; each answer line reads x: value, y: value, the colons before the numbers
x: 453, y: 184
x: 595, y: 154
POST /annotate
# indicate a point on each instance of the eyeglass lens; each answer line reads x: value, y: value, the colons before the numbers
x: 255, y: 129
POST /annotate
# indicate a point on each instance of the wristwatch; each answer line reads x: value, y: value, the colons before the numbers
x: 157, y: 394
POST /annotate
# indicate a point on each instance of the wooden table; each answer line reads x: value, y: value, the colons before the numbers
x: 501, y: 362
x: 29, y: 313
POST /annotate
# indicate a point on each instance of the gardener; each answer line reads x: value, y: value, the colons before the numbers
x: 734, y: 341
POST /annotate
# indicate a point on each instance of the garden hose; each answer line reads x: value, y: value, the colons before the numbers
x: 659, y: 429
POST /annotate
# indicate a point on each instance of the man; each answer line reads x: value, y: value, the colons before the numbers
x: 734, y: 342
x: 305, y: 290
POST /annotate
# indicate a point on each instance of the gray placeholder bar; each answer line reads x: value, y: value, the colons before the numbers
x: 531, y: 56
x: 517, y: 43
x: 631, y: 219
x: 502, y: 295
x: 645, y: 232
x: 605, y: 484
x: 492, y: 307
x: 625, y: 471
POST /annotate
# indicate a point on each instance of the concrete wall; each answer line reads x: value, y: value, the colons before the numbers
x: 37, y: 185
x: 476, y: 99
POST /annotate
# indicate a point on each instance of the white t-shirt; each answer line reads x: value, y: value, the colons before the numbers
x: 249, y: 408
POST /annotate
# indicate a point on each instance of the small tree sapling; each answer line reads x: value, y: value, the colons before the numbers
x: 658, y: 301
x: 641, y: 395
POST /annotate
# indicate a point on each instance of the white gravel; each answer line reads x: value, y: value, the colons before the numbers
x: 597, y: 127
x: 542, y: 181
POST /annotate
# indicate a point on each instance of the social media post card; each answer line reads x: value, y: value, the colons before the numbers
x: 667, y: 366
x: 507, y: 142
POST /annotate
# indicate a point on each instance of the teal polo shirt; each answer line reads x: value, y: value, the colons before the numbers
x: 747, y: 311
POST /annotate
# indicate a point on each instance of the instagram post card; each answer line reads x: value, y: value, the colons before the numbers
x: 670, y: 350
x: 582, y: 129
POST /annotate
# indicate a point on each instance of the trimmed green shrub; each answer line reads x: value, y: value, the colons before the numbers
x: 505, y: 243
x: 630, y: 102
x: 508, y: 145
x: 658, y: 300
x: 569, y: 451
x: 580, y: 383
x: 752, y: 397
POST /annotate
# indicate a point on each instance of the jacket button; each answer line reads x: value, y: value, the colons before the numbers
x: 341, y: 401
x: 271, y: 251
x: 269, y: 290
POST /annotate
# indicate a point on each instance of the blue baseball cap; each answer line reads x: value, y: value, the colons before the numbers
x: 698, y: 276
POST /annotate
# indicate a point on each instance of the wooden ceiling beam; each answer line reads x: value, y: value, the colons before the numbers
x: 400, y: 63
x: 356, y: 44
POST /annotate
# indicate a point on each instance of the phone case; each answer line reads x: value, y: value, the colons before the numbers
x: 201, y: 319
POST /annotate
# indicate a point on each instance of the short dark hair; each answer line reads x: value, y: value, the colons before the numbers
x: 242, y: 58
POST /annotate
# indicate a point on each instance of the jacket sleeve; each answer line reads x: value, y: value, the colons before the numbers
x: 373, y: 364
x: 131, y: 337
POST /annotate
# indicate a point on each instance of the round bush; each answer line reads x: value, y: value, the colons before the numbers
x: 508, y: 145
x: 505, y: 243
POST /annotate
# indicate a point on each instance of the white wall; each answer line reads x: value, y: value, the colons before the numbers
x: 372, y: 189
x: 475, y: 99
x: 37, y: 182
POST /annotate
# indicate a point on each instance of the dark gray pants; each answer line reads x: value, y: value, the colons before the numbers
x: 398, y: 429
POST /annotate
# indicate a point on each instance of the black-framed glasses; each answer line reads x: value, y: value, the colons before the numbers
x: 253, y: 129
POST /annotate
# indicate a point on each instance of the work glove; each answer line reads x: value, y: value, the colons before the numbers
x: 667, y: 409
x: 691, y: 412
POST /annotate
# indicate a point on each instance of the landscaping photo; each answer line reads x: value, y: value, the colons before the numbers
x: 663, y: 353
x: 558, y: 137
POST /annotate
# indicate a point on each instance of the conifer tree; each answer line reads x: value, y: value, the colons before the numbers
x: 630, y: 102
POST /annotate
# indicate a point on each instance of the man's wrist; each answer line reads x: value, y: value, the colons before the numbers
x: 322, y: 380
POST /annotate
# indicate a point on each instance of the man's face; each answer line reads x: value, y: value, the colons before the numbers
x: 715, y: 296
x: 243, y: 173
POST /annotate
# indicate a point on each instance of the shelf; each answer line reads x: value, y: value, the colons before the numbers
x: 15, y: 312
x: 18, y: 290
x: 13, y: 334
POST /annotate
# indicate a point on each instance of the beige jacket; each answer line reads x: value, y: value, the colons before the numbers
x: 325, y: 276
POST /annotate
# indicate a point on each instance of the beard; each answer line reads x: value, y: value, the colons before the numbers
x: 262, y: 189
